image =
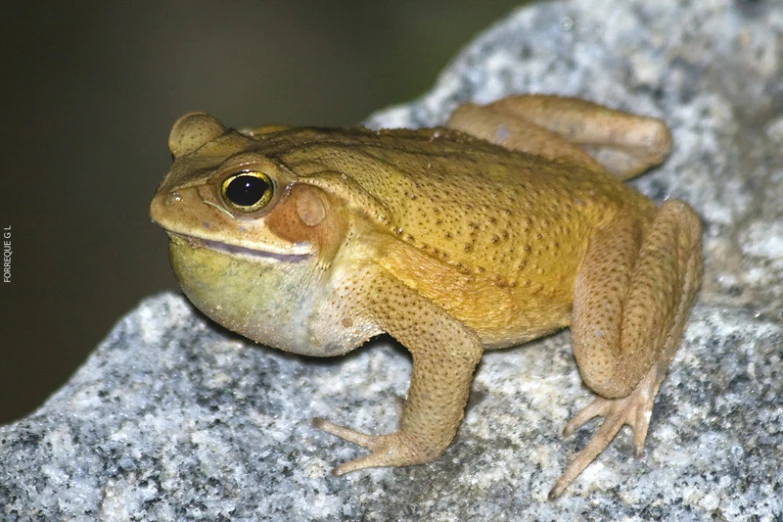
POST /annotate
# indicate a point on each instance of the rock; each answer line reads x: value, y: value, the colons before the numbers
x: 173, y: 418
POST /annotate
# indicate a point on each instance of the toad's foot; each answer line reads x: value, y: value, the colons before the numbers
x: 634, y: 410
x: 394, y: 449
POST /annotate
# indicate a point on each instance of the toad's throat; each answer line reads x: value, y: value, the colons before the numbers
x: 195, y: 242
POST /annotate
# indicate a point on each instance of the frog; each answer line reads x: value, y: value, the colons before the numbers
x: 505, y: 224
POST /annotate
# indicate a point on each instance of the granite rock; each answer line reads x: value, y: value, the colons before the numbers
x: 173, y: 418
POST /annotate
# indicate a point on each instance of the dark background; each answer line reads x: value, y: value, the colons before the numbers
x: 89, y: 92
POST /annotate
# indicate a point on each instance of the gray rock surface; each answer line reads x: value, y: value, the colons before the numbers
x: 173, y: 418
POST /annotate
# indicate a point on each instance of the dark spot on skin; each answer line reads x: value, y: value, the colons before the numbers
x: 204, y: 225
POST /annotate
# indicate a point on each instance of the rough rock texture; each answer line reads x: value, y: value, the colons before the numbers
x: 173, y: 418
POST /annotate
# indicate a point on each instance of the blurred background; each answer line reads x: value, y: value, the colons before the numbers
x: 89, y: 92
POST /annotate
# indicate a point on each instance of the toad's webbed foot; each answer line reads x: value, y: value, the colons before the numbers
x: 394, y: 449
x: 634, y: 410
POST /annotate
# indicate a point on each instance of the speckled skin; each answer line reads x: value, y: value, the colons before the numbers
x: 486, y: 234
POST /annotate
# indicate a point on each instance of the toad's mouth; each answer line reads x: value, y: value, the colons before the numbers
x: 195, y: 242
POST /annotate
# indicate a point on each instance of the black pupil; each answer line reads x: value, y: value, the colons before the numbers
x: 246, y: 190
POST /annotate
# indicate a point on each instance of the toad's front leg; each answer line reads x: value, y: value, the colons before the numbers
x: 445, y: 355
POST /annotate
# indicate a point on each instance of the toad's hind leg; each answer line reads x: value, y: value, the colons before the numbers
x: 559, y: 128
x: 632, y: 296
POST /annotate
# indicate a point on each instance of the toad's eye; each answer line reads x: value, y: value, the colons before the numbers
x: 247, y: 191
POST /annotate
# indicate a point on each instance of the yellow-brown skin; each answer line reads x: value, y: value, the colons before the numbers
x: 493, y: 231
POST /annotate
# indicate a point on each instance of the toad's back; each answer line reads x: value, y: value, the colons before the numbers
x: 497, y: 227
